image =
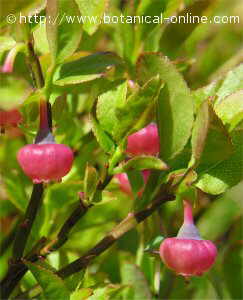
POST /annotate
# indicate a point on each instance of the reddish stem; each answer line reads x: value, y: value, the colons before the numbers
x: 43, y: 115
x: 188, y: 217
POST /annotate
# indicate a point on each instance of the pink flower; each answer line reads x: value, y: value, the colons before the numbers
x: 144, y: 141
x: 45, y: 162
x: 188, y: 254
x: 125, y: 184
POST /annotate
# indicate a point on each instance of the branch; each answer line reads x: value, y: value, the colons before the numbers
x: 127, y: 224
x: 17, y: 271
x: 21, y: 239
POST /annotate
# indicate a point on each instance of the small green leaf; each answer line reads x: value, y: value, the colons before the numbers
x: 227, y: 173
x: 211, y: 142
x: 138, y: 110
x: 52, y: 285
x: 86, y: 68
x: 136, y: 180
x: 107, y: 103
x: 104, y: 140
x: 232, y: 82
x: 230, y: 109
x: 154, y: 244
x: 91, y: 179
x: 63, y: 36
x: 92, y: 12
x: 142, y: 162
x: 175, y: 104
x: 82, y: 294
x: 74, y: 281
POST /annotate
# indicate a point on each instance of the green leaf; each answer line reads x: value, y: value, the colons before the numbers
x: 14, y: 7
x: 104, y: 140
x: 91, y: 179
x: 230, y: 109
x: 6, y: 43
x: 180, y: 31
x: 107, y: 103
x: 52, y: 285
x: 149, y: 191
x: 142, y: 162
x: 219, y: 216
x: 149, y: 8
x: 63, y: 37
x: 138, y: 110
x: 86, y: 68
x: 93, y: 11
x: 136, y: 180
x: 132, y: 276
x: 232, y: 82
x: 227, y: 173
x: 175, y: 104
x: 211, y: 142
x: 200, y: 95
x: 154, y: 244
x: 13, y: 91
x: 74, y: 281
x: 82, y: 294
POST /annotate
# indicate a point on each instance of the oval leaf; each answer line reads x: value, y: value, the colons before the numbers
x: 175, y: 104
x: 63, y: 36
x: 53, y: 286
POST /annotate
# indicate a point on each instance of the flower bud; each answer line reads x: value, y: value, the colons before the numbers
x: 188, y: 254
x: 10, y: 117
x: 144, y: 141
x: 125, y: 184
x: 45, y: 162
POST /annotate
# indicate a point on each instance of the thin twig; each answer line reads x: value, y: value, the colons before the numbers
x: 127, y: 224
x: 17, y: 271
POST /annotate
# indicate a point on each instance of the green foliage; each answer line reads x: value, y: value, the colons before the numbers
x: 63, y: 38
x: 53, y: 286
x: 175, y: 106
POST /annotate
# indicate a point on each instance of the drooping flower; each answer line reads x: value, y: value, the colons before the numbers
x: 188, y: 254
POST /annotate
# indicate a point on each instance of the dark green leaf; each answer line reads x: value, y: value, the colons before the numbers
x: 86, y: 68
x: 52, y: 285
